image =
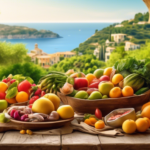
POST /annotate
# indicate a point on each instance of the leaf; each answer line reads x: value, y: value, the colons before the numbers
x: 15, y: 84
x: 12, y: 93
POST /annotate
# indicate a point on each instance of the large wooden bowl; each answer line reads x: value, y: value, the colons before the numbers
x: 105, y: 105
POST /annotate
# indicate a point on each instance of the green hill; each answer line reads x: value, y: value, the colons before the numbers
x: 139, y: 34
x: 18, y: 32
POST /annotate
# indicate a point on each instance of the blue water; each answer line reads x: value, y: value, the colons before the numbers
x: 72, y: 35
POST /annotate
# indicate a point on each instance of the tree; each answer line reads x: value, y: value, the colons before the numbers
x: 96, y: 30
x: 12, y: 53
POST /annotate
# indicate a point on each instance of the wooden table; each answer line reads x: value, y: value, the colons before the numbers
x: 13, y: 140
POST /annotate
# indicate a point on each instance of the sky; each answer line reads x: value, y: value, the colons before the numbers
x: 69, y: 10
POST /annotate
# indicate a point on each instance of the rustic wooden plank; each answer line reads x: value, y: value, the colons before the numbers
x: 127, y: 142
x: 78, y: 140
x: 1, y: 135
x: 14, y: 140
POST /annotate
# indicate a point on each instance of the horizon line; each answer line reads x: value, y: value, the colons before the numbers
x: 115, y: 21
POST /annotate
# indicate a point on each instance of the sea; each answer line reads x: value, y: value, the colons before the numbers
x: 72, y: 35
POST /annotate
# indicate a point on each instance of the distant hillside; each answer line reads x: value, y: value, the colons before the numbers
x: 138, y: 33
x: 19, y: 32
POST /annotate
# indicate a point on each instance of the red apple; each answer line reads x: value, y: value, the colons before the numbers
x: 80, y: 83
x: 104, y: 78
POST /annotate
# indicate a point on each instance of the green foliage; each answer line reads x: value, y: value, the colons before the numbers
x: 120, y: 53
x: 13, y: 53
x: 26, y: 69
x: 84, y: 63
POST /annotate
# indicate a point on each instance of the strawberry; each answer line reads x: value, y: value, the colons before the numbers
x: 43, y: 93
x: 12, y: 81
x: 5, y: 80
x: 33, y: 99
x: 38, y: 92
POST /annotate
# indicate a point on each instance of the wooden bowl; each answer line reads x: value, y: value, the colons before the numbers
x: 21, y: 125
x: 105, y: 105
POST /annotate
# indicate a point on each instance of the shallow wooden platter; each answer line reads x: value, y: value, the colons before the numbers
x: 105, y: 105
x: 21, y: 125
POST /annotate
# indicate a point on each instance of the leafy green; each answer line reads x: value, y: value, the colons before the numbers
x: 141, y: 67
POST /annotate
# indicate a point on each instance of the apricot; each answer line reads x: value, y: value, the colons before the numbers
x: 127, y: 91
x: 129, y: 126
x: 117, y: 78
x: 99, y: 124
x: 146, y: 112
x: 108, y: 71
x: 147, y: 121
x: 115, y: 92
x: 90, y: 77
x: 141, y: 125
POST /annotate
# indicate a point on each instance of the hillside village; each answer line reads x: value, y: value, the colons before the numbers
x: 130, y: 33
x: 46, y: 60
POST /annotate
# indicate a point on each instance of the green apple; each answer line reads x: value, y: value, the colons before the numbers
x: 3, y: 119
x: 82, y: 95
x: 95, y: 95
x: 104, y: 97
x: 3, y: 105
x: 105, y: 87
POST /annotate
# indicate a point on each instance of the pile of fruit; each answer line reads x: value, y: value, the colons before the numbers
x: 17, y: 89
x: 140, y: 122
x: 102, y: 84
x: 46, y: 108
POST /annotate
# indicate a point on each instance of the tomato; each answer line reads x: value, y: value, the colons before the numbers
x: 2, y: 95
x: 24, y: 86
x: 98, y: 113
x: 80, y: 83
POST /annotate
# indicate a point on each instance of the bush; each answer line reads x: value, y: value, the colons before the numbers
x: 26, y: 69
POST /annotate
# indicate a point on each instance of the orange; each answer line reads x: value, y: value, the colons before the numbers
x: 11, y: 100
x: 91, y: 121
x: 90, y: 77
x: 147, y: 121
x: 117, y: 78
x: 115, y: 92
x: 146, y: 112
x: 22, y: 97
x: 99, y: 124
x: 3, y: 87
x: 127, y: 91
x: 108, y: 71
x: 129, y: 126
x: 148, y: 103
x: 141, y: 125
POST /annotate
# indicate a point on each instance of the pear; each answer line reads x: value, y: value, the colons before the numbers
x: 95, y: 95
